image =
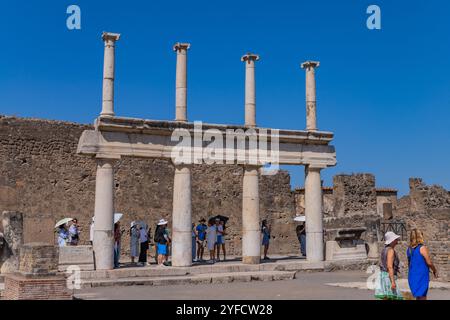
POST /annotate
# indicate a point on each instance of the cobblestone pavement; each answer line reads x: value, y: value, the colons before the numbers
x: 308, y: 285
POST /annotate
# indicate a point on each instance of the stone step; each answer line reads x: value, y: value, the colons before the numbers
x: 152, y: 271
x: 193, y: 279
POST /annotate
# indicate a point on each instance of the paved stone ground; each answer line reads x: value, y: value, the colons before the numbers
x: 308, y: 285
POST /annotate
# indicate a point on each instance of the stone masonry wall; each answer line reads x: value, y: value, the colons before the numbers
x: 354, y: 194
x: 42, y: 176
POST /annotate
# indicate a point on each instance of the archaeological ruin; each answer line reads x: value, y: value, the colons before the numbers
x: 54, y: 169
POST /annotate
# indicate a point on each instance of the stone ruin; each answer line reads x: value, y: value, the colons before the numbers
x: 42, y: 174
x: 37, y: 277
x: 11, y: 239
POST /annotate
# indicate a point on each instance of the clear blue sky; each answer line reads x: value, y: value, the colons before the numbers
x: 385, y: 94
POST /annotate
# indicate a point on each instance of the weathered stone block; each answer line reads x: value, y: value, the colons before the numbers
x: 81, y: 256
x: 38, y: 259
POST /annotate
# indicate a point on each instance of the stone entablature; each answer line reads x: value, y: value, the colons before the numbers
x: 115, y: 137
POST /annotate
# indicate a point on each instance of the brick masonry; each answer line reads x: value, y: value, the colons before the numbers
x: 19, y: 287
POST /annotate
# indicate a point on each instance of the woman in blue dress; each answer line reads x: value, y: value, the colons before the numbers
x: 419, y: 264
x: 265, y: 229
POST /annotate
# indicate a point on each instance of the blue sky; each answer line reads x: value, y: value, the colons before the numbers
x: 384, y: 93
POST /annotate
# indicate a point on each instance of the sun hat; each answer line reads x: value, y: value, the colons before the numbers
x: 162, y: 222
x: 390, y: 237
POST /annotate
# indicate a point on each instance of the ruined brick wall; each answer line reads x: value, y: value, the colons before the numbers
x: 327, y: 201
x: 43, y: 177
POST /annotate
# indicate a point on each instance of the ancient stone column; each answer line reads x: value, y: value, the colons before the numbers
x: 313, y: 214
x: 251, y: 229
x: 311, y: 120
x: 108, y: 73
x: 250, y: 97
x: 181, y: 81
x: 104, y: 215
x: 182, y: 217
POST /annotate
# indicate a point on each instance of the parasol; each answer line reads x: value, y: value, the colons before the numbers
x: 63, y: 221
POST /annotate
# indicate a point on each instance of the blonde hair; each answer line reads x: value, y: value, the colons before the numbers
x: 415, y: 238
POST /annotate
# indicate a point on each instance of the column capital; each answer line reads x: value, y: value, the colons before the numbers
x: 110, y: 37
x: 179, y: 46
x: 250, y: 57
x: 310, y: 65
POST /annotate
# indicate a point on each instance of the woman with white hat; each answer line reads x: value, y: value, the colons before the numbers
x: 389, y: 265
x: 161, y: 239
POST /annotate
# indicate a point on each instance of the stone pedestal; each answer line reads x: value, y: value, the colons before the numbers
x: 335, y: 252
x: 80, y: 256
x: 251, y: 228
x: 37, y: 278
x: 182, y: 217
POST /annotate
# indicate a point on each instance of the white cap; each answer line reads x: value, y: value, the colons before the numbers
x: 162, y: 222
x: 390, y: 237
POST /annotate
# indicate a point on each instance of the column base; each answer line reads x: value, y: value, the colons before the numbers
x: 251, y: 260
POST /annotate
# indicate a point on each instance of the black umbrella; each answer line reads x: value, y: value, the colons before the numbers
x: 220, y: 217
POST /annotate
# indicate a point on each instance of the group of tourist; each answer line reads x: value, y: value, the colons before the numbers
x: 211, y: 236
x: 419, y: 265
x: 68, y: 234
x: 140, y: 238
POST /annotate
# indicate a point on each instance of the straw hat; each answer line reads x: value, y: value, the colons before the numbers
x: 390, y: 237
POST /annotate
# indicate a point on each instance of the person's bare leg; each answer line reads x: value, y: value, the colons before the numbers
x: 266, y: 248
x: 218, y: 251
x: 224, y: 252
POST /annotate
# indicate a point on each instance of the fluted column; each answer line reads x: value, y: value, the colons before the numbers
x: 311, y: 118
x: 314, y: 215
x: 182, y: 217
x: 181, y: 81
x: 250, y: 95
x: 104, y: 215
x: 108, y: 73
x: 251, y: 229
